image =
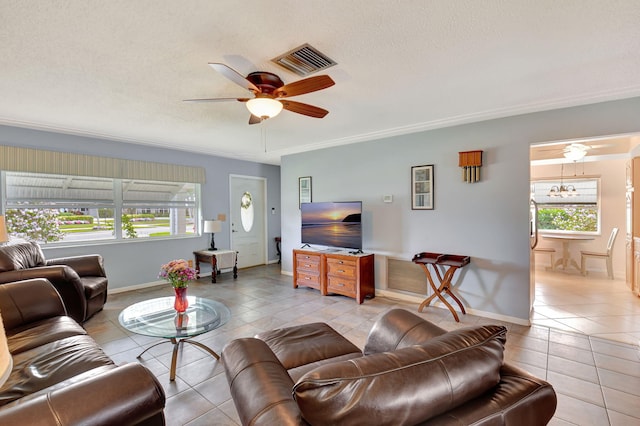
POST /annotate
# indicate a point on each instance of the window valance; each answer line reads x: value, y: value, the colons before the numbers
x: 18, y: 159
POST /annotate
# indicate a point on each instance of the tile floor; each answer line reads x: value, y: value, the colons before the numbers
x: 592, y: 305
x: 597, y: 380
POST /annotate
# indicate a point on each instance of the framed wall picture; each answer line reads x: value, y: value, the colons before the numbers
x: 304, y: 190
x: 422, y: 187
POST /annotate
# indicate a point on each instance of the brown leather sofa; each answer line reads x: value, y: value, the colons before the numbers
x: 80, y: 280
x: 410, y: 372
x: 60, y: 375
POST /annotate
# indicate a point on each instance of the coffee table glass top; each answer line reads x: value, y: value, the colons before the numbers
x: 158, y: 318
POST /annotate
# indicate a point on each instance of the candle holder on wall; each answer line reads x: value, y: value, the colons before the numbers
x: 471, y: 162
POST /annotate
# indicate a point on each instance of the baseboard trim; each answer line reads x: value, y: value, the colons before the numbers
x: 418, y: 299
x: 136, y: 287
x: 145, y: 285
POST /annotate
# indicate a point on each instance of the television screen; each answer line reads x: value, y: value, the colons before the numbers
x: 336, y: 224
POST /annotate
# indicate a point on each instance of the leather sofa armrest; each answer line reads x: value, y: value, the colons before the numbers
x: 23, y: 302
x: 260, y: 385
x: 128, y: 394
x: 90, y: 265
x: 63, y: 278
x: 398, y: 329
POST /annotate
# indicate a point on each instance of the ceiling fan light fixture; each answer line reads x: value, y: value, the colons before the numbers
x: 264, y: 107
x: 575, y: 152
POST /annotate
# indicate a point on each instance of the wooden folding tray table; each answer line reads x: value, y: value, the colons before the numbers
x: 450, y: 263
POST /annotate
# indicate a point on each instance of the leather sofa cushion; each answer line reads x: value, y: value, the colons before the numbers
x: 42, y: 332
x: 21, y: 255
x: 51, y: 363
x: 308, y: 343
x: 408, y: 385
x: 398, y: 329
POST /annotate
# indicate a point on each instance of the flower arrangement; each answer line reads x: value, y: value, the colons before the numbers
x: 178, y: 273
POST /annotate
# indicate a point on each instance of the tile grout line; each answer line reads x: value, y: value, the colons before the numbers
x: 595, y: 363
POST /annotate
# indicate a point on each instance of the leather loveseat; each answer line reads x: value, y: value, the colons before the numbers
x: 80, y: 280
x: 410, y: 372
x: 60, y: 376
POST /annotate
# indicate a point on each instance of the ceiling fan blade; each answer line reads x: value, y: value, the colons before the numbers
x: 303, y: 86
x: 254, y: 119
x: 216, y: 100
x: 234, y: 76
x: 304, y: 109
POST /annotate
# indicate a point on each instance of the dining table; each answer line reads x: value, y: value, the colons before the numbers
x: 566, y: 260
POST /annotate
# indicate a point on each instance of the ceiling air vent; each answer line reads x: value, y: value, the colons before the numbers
x: 304, y: 60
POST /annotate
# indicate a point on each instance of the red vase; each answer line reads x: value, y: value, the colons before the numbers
x: 182, y: 321
x: 181, y: 303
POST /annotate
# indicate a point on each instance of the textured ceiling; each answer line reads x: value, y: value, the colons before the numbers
x: 120, y: 69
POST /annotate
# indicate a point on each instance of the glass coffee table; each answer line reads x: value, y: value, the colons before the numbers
x: 158, y: 318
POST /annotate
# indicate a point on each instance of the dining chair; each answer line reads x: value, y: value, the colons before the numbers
x: 607, y: 256
x: 552, y: 254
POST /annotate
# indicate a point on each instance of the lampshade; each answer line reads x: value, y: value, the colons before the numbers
x: 6, y: 362
x: 3, y: 231
x: 212, y: 226
x: 264, y: 107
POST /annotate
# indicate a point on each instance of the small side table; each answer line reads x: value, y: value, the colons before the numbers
x: 219, y: 259
x: 451, y: 262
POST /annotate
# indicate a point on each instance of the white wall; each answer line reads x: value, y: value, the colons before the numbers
x: 487, y: 220
x: 136, y: 262
x: 613, y: 214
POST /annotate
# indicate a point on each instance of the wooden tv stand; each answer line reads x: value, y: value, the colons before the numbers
x: 340, y: 272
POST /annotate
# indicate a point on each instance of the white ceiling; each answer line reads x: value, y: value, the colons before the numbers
x: 120, y: 69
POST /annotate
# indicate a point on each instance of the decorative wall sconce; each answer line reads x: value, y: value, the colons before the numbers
x: 470, y: 161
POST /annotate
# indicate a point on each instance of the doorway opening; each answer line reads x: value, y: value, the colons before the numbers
x: 564, y: 298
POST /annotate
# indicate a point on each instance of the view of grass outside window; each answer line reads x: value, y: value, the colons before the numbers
x: 561, y: 209
x: 55, y: 208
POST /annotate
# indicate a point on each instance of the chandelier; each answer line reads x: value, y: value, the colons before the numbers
x: 563, y: 190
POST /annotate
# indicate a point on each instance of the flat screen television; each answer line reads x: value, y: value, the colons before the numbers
x: 333, y: 224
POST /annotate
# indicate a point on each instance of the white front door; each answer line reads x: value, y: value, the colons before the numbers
x: 248, y: 219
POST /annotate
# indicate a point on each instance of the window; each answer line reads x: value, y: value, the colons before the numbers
x: 157, y: 209
x: 57, y: 208
x: 246, y: 211
x: 569, y: 205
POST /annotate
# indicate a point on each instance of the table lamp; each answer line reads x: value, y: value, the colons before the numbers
x: 6, y: 362
x: 3, y: 231
x: 212, y: 226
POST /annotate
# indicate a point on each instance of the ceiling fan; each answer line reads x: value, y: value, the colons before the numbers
x: 574, y: 151
x: 270, y: 93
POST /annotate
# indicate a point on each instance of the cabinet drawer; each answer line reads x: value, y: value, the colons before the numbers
x: 341, y: 285
x: 315, y: 258
x: 308, y: 263
x: 308, y: 280
x: 341, y: 268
